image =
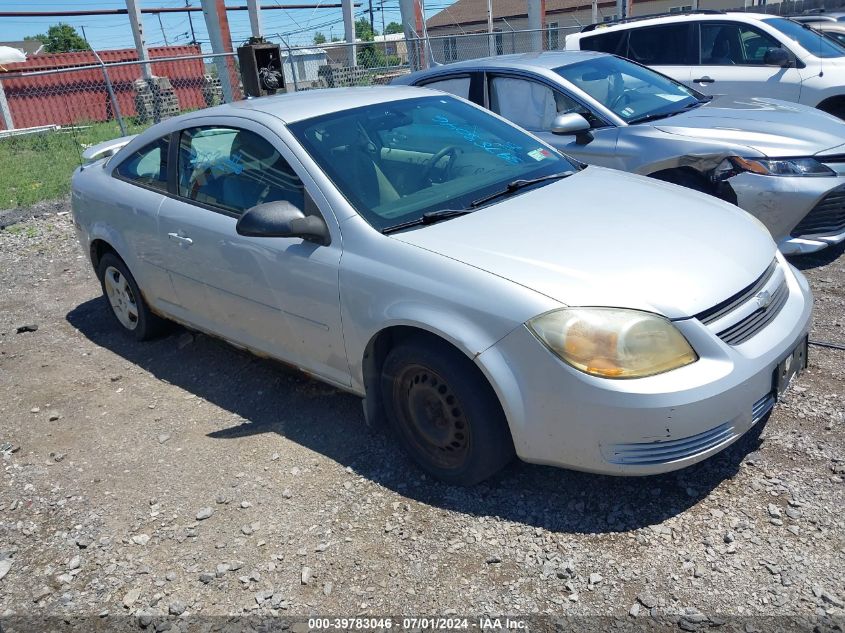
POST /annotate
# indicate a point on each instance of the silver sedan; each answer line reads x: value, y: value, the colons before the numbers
x: 485, y: 295
x: 782, y: 162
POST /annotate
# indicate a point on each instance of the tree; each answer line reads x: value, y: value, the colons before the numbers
x: 393, y: 27
x: 319, y: 38
x: 61, y: 38
x: 363, y: 30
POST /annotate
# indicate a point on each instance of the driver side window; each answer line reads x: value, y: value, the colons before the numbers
x: 234, y: 170
x: 530, y: 104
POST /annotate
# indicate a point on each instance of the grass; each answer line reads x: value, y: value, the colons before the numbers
x: 38, y: 167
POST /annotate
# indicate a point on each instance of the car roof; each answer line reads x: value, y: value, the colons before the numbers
x: 296, y: 106
x: 740, y: 16
x: 547, y: 59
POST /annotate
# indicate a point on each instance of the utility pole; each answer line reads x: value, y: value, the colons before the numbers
x: 217, y: 24
x: 191, y: 22
x: 372, y: 26
x: 536, y: 22
x: 137, y: 25
x: 161, y: 26
x: 491, y: 41
x: 349, y: 33
x: 255, y: 19
x: 595, y: 11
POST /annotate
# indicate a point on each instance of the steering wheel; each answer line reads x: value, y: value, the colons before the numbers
x: 451, y: 151
x: 618, y: 99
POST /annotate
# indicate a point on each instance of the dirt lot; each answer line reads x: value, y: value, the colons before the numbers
x: 121, y: 451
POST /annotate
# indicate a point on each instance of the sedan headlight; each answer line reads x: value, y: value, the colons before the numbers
x: 613, y: 342
x: 771, y: 167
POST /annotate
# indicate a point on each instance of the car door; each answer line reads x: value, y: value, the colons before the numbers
x: 278, y: 296
x: 532, y: 103
x: 731, y: 63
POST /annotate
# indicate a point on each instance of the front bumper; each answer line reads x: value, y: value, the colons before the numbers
x: 562, y: 417
x: 786, y: 204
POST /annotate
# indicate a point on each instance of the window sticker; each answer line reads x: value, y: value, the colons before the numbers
x: 215, y: 162
x: 540, y: 154
x: 505, y: 151
x: 671, y: 98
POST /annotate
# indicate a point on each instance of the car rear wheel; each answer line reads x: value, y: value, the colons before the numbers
x: 444, y: 413
x: 126, y: 301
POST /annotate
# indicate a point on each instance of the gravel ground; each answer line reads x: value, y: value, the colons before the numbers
x: 185, y: 477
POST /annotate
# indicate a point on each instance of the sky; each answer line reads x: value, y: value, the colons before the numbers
x: 297, y: 26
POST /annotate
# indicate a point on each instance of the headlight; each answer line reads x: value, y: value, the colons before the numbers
x: 612, y: 342
x: 771, y: 167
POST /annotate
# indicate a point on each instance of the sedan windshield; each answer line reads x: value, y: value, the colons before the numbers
x: 807, y: 38
x: 632, y: 92
x: 396, y: 161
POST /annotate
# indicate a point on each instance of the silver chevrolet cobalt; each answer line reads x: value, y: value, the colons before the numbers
x: 484, y: 294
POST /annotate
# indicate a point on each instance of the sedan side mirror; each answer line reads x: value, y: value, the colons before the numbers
x: 282, y: 219
x: 777, y: 57
x: 571, y: 123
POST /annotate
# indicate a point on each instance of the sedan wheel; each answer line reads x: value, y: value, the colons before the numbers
x: 444, y: 412
x: 432, y: 416
x: 121, y: 298
x: 126, y: 300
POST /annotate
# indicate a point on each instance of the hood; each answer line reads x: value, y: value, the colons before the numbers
x: 609, y: 238
x: 773, y: 128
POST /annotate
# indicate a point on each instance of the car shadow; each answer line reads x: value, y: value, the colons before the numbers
x: 268, y: 397
x: 817, y: 259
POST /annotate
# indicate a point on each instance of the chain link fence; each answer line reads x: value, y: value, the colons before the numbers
x: 54, y: 106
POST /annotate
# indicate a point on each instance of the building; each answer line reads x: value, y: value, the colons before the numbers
x: 301, y: 66
x: 27, y: 47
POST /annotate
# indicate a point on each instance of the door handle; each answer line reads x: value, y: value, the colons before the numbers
x: 187, y: 241
x: 704, y: 80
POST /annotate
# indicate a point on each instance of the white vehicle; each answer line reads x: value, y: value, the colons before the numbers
x: 735, y: 54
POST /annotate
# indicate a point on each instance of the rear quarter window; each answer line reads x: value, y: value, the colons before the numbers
x: 614, y: 42
x: 146, y: 166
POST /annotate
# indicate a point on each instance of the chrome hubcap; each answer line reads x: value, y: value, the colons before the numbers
x: 121, y: 298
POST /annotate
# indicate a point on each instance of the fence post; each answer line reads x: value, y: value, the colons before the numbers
x: 114, y: 105
x: 292, y: 67
x: 4, y: 110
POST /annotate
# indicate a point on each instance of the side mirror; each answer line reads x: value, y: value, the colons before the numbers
x: 282, y: 219
x: 777, y: 57
x: 572, y: 123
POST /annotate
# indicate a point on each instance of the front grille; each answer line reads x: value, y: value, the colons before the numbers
x: 826, y: 218
x: 732, y: 303
x: 650, y: 453
x: 645, y: 453
x: 757, y: 320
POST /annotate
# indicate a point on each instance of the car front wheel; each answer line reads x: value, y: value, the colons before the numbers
x: 125, y: 298
x: 444, y: 412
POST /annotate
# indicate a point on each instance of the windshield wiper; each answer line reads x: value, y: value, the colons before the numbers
x: 665, y: 115
x: 429, y: 217
x: 516, y: 185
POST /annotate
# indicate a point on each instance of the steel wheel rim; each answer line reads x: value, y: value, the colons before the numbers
x: 121, y: 298
x: 432, y: 416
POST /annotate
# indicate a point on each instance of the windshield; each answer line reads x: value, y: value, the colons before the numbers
x: 396, y: 161
x: 629, y: 90
x: 807, y: 38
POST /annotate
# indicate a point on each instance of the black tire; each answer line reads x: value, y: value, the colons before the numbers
x: 126, y: 298
x: 834, y: 107
x: 444, y: 413
x: 685, y: 179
